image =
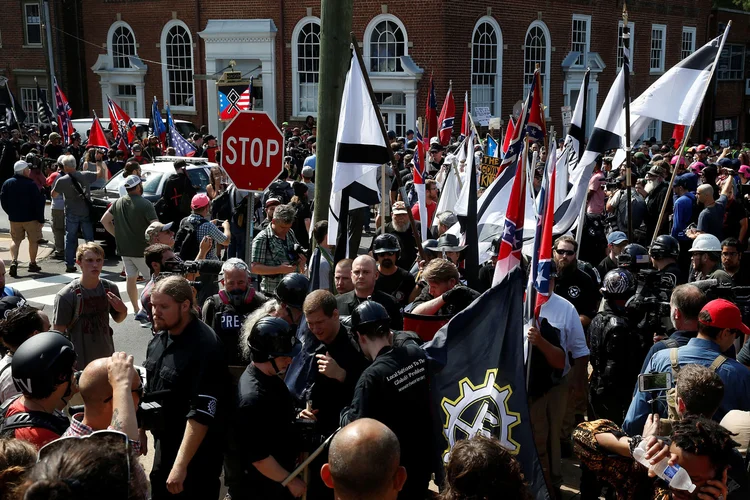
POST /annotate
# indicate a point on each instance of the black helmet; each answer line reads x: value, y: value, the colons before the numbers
x: 386, y: 243
x: 412, y: 144
x: 292, y: 290
x: 634, y: 257
x: 272, y: 338
x: 41, y: 363
x: 619, y: 284
x: 370, y: 318
x: 664, y: 247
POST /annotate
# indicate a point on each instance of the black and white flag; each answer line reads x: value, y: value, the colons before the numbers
x: 360, y: 151
x: 573, y: 145
x: 43, y: 108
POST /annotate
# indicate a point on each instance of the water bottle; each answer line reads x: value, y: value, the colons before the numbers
x: 674, y: 475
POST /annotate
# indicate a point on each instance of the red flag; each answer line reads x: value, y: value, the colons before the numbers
x: 537, y: 127
x: 121, y: 123
x: 446, y: 119
x: 97, y: 138
x: 430, y: 125
x: 465, y: 117
x: 678, y: 135
x: 509, y: 133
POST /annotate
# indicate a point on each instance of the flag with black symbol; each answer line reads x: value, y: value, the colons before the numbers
x: 43, y: 109
x: 360, y: 151
x: 14, y: 113
x: 478, y: 385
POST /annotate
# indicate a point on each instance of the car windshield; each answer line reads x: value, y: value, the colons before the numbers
x: 150, y: 186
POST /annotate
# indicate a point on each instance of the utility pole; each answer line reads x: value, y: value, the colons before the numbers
x: 50, y: 54
x: 335, y: 58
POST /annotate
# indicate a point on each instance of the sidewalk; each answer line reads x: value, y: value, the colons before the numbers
x: 23, y: 251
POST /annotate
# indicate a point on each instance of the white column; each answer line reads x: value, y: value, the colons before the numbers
x: 212, y: 101
x: 105, y: 85
x: 411, y: 108
x: 140, y: 98
x: 269, y: 87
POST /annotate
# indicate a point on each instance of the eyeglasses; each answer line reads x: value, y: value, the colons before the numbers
x: 729, y: 254
x: 568, y: 253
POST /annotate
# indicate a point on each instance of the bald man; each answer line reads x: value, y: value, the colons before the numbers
x: 364, y: 276
x: 363, y: 463
x: 111, y: 389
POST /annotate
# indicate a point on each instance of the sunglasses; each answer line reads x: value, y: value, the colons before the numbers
x: 107, y: 435
x: 386, y: 254
x: 568, y: 253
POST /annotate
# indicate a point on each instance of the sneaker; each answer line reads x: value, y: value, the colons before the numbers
x: 122, y: 273
x: 42, y: 241
x: 141, y: 316
x: 58, y: 256
x: 13, y: 270
x: 140, y: 279
x: 34, y: 268
x: 70, y: 269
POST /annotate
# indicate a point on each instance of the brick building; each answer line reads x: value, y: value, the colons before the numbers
x: 488, y: 49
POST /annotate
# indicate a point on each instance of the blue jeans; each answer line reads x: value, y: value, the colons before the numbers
x: 72, y: 223
x: 237, y: 243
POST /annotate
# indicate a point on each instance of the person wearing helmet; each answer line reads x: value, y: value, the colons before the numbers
x: 262, y: 445
x: 364, y: 276
x: 394, y: 390
x: 393, y: 280
x: 634, y: 258
x: 291, y: 292
x: 225, y: 311
x: 19, y: 322
x: 185, y: 358
x: 43, y: 368
x: 614, y: 342
x: 664, y: 254
x: 706, y: 259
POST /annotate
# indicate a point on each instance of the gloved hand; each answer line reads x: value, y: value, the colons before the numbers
x: 458, y: 293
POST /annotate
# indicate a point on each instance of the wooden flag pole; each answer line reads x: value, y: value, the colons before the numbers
x: 394, y: 163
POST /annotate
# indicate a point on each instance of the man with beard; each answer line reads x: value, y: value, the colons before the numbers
x: 393, y: 280
x: 401, y: 228
x: 432, y: 195
x: 706, y: 259
x: 364, y: 276
x: 731, y: 255
x: 153, y: 149
x: 657, y: 192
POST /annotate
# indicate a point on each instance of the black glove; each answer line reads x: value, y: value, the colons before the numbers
x: 458, y: 294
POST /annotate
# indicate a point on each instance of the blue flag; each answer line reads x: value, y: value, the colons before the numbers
x: 181, y: 146
x: 478, y: 380
x: 157, y: 124
x: 492, y: 149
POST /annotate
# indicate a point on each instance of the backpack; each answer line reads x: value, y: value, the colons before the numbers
x: 671, y: 393
x: 221, y: 207
x: 186, y: 243
x: 239, y: 213
x: 77, y: 289
x: 24, y: 420
x: 278, y: 190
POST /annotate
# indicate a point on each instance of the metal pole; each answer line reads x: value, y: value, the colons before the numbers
x: 50, y: 55
x: 249, y: 227
x: 296, y: 472
x: 383, y: 196
x: 626, y: 69
x: 335, y: 25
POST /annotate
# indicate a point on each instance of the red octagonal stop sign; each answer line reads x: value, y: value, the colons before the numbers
x: 252, y: 150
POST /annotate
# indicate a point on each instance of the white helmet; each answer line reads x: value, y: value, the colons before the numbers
x: 706, y: 243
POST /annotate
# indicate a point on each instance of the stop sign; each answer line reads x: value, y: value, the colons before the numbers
x: 252, y: 150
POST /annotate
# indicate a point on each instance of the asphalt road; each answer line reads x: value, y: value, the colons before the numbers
x: 40, y: 289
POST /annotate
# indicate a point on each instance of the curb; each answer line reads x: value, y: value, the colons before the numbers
x: 44, y: 252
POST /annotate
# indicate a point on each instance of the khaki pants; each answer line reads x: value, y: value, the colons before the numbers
x: 546, y: 422
x: 578, y: 396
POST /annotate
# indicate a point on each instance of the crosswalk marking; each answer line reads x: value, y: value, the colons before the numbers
x: 35, y: 283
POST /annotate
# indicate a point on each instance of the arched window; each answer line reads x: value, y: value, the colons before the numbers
x: 387, y: 43
x: 306, y: 66
x: 537, y: 51
x: 177, y: 66
x: 486, y: 64
x: 122, y: 45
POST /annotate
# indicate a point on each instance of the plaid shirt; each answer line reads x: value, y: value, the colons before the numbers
x: 270, y: 250
x: 79, y: 429
x: 206, y: 228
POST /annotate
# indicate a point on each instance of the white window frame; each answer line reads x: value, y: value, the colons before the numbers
x: 26, y: 42
x: 164, y: 69
x: 32, y: 108
x: 368, y: 34
x: 497, y: 90
x: 296, y: 108
x: 726, y: 75
x: 621, y: 47
x: 693, y: 33
x: 110, y: 34
x: 657, y: 126
x: 653, y: 70
x: 548, y: 61
x: 583, y: 58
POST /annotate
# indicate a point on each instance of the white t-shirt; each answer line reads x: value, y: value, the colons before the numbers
x: 7, y: 387
x: 562, y: 315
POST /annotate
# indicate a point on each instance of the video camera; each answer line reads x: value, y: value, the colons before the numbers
x: 184, y: 267
x: 651, y: 302
x: 738, y: 295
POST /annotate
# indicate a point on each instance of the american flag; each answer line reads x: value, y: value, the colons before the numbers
x: 64, y: 113
x: 181, y: 146
x: 511, y: 242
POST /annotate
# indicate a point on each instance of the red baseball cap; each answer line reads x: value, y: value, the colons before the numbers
x: 724, y: 314
x: 200, y: 200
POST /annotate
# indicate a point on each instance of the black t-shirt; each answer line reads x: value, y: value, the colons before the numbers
x: 399, y: 285
x: 262, y: 426
x: 733, y: 214
x: 298, y: 226
x: 672, y: 275
x: 486, y: 274
x: 578, y: 288
x: 455, y: 305
x: 53, y: 151
x: 605, y: 266
x: 408, y: 245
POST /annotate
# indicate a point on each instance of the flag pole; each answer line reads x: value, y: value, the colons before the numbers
x: 394, y: 163
x: 628, y: 152
x: 686, y: 137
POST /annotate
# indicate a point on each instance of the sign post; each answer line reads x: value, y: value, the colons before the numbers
x: 252, y: 154
x: 567, y: 117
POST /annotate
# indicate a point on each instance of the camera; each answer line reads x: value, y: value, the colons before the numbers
x: 150, y: 414
x: 295, y: 252
x: 651, y: 303
x: 184, y: 267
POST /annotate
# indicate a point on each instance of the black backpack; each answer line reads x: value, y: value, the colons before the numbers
x: 221, y: 207
x: 239, y: 213
x: 186, y: 243
x: 24, y: 420
x: 280, y: 190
